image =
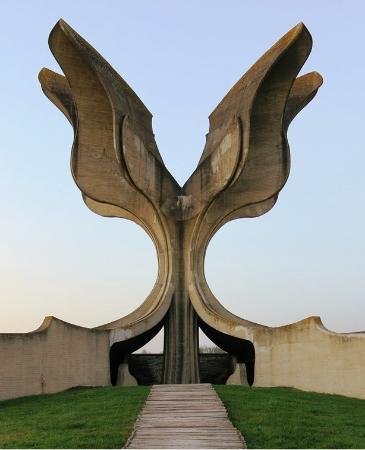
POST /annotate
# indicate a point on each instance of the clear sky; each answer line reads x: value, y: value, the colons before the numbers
x: 305, y: 257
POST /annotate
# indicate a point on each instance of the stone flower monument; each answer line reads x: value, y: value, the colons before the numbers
x: 245, y: 163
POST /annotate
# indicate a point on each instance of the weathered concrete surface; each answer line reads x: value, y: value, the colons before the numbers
x: 184, y: 416
x: 53, y: 358
x: 239, y: 376
x: 117, y: 166
x: 303, y: 355
x: 307, y: 356
x: 245, y: 164
x: 125, y: 378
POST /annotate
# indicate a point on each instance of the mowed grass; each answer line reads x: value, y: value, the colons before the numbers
x: 78, y: 418
x: 289, y: 418
x: 104, y: 418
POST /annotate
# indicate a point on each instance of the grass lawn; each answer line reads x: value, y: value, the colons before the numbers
x: 104, y: 417
x: 289, y: 418
x: 78, y: 418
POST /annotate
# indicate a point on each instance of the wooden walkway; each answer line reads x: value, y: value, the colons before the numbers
x: 184, y: 416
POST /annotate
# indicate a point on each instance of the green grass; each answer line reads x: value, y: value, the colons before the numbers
x: 104, y: 418
x: 78, y: 418
x: 289, y: 418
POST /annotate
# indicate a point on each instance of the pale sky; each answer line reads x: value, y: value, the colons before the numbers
x: 305, y: 257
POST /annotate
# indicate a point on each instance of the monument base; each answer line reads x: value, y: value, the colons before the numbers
x: 304, y: 355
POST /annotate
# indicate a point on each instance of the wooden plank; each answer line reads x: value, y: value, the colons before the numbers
x: 184, y: 416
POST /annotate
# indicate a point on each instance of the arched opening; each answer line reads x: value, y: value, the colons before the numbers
x: 242, y: 351
x: 146, y: 364
x: 215, y: 364
x: 120, y: 355
x: 154, y: 346
x: 222, y: 359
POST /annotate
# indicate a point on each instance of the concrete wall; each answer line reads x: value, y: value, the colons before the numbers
x: 53, y: 358
x: 307, y: 356
x: 304, y: 355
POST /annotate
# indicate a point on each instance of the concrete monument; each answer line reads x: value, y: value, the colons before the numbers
x: 245, y: 163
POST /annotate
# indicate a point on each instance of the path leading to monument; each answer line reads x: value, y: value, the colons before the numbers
x: 184, y: 416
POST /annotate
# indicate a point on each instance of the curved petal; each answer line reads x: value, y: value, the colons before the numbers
x: 103, y: 101
x: 96, y: 101
x: 148, y: 173
x: 58, y: 91
x: 158, y: 301
x: 215, y: 172
x: 302, y: 92
x: 266, y: 98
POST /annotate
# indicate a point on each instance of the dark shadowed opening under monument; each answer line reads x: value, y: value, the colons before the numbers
x: 215, y: 367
